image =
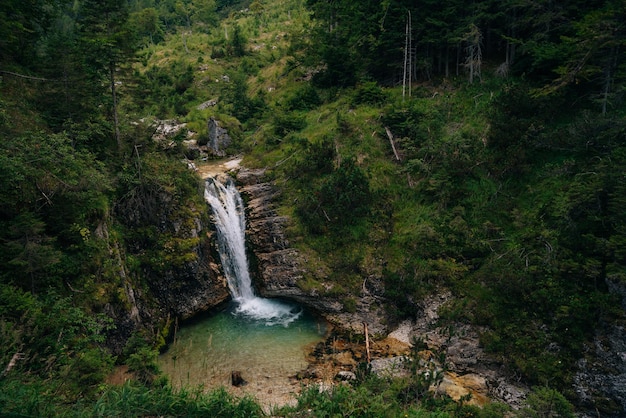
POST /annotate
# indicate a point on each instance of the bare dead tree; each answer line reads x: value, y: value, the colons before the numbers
x: 473, y: 52
x: 406, y: 77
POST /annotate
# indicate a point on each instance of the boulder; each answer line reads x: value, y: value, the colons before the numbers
x: 218, y: 138
x: 470, y: 386
x: 345, y: 376
x: 236, y: 379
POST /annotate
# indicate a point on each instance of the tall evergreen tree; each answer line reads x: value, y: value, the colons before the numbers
x: 107, y: 44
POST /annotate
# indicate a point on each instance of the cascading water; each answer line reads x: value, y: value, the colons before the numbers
x: 263, y: 338
x: 229, y: 216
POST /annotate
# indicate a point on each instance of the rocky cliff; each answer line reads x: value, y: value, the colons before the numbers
x: 274, y: 261
x: 177, y: 275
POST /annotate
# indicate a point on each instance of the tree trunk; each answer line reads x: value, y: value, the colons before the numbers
x: 393, y: 145
x: 367, y: 343
x: 447, y: 61
x: 116, y: 123
x: 474, y: 54
x: 406, y: 60
x: 608, y: 78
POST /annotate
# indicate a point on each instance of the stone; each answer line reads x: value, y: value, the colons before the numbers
x: 344, y: 359
x: 390, y: 347
x: 207, y: 104
x: 218, y: 138
x: 457, y: 387
x: 236, y: 379
x: 345, y: 376
x: 167, y: 129
x: 472, y: 371
x: 389, y: 367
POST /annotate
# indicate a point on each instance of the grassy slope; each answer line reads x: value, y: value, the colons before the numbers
x: 449, y: 215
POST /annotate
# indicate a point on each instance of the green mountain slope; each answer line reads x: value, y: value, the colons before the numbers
x: 395, y: 167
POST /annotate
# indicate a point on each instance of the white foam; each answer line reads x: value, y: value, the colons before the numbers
x: 269, y: 311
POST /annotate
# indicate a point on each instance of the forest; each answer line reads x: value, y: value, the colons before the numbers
x: 477, y: 148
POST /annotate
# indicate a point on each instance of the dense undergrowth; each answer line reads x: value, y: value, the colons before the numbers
x: 507, y: 191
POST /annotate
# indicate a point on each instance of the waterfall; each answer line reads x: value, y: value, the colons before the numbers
x: 230, y: 222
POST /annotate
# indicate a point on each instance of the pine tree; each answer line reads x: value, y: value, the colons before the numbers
x: 107, y: 44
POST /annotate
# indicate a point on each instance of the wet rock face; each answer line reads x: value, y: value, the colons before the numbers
x: 276, y: 263
x: 179, y: 289
x: 194, y: 286
x: 191, y: 288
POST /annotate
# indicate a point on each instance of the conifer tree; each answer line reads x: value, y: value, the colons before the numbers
x: 107, y: 44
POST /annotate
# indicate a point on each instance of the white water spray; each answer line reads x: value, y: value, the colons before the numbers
x: 229, y: 216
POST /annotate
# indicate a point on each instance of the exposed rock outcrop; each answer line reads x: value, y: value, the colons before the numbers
x: 219, y: 139
x: 465, y: 358
x: 278, y: 265
x: 192, y: 287
x: 178, y: 276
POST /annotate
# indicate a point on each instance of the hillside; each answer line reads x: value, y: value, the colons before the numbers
x: 477, y: 152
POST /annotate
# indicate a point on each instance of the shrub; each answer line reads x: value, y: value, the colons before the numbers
x: 546, y: 402
x: 369, y: 93
x: 305, y: 98
x: 285, y: 123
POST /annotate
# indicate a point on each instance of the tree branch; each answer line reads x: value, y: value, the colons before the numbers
x: 28, y: 77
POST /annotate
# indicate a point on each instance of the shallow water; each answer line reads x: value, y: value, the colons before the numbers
x: 268, y: 352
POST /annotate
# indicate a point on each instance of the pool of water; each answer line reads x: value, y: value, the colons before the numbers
x: 267, y: 352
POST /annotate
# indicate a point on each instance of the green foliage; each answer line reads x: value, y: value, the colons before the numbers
x: 133, y: 400
x: 369, y: 93
x: 166, y: 90
x: 341, y: 200
x: 242, y: 106
x: 342, y: 400
x: 305, y: 98
x: 18, y: 398
x: 23, y: 24
x: 236, y: 44
x: 49, y: 187
x: 54, y: 341
x: 143, y: 364
x: 416, y: 124
x: 546, y: 402
x: 288, y: 122
x: 129, y: 400
x: 155, y: 193
x: 146, y: 25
